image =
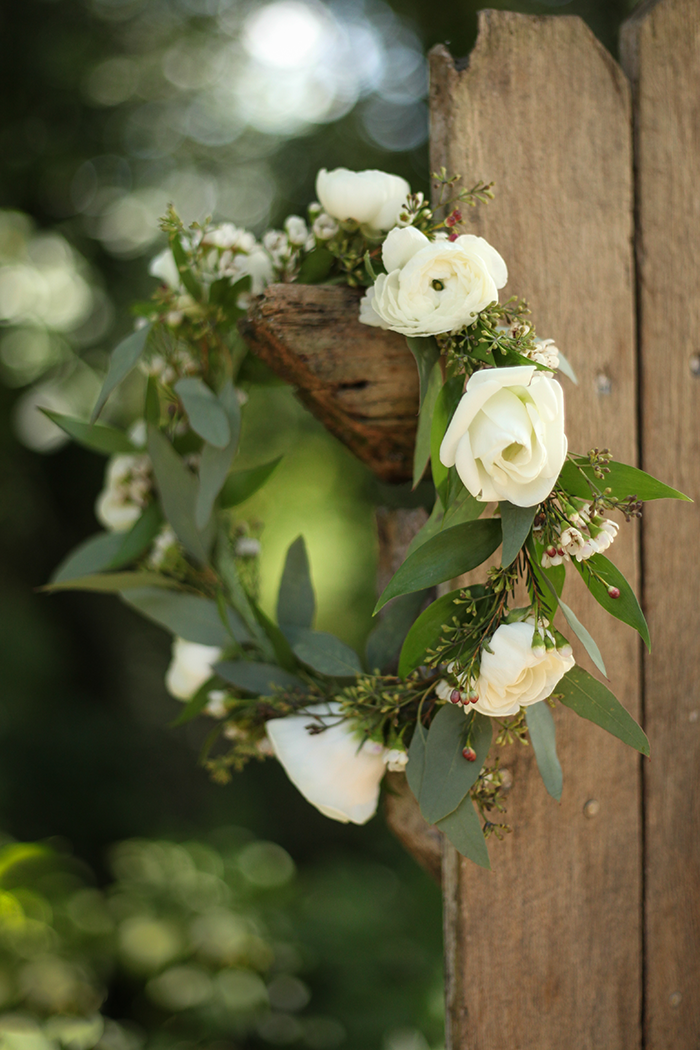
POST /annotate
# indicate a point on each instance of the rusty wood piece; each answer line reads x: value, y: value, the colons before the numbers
x: 361, y: 382
x: 423, y: 841
x: 559, y: 917
x: 661, y: 53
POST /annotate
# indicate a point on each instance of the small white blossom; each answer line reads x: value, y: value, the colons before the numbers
x: 545, y: 353
x: 165, y: 542
x: 190, y: 667
x: 247, y: 547
x: 276, y: 242
x: 297, y: 230
x: 128, y: 483
x: 216, y: 705
x: 396, y: 760
x: 572, y: 541
x: 227, y: 236
x: 325, y: 227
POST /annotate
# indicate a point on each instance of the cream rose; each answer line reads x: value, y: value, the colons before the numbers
x: 432, y: 286
x: 334, y: 770
x: 507, y: 437
x: 372, y: 198
x: 515, y: 675
x: 190, y: 667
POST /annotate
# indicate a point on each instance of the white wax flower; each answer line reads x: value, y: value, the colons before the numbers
x: 128, y: 482
x: 258, y: 264
x: 334, y: 770
x: 507, y: 437
x: 325, y: 227
x: 372, y: 198
x: 227, y: 236
x: 432, y: 286
x: 164, y: 267
x: 515, y: 675
x: 396, y: 760
x: 190, y: 667
x: 297, y: 230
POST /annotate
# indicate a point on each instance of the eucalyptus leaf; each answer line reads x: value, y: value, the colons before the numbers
x: 622, y: 479
x: 463, y: 828
x: 215, y: 462
x: 139, y: 537
x: 448, y: 775
x: 426, y: 353
x: 590, y: 699
x: 188, y: 616
x: 240, y: 486
x: 91, y: 556
x: 415, y: 767
x: 111, y: 582
x: 95, y: 436
x: 444, y: 556
x: 540, y: 726
x: 296, y: 602
x: 151, y: 410
x: 178, y: 489
x: 323, y: 652
x: 565, y: 368
x: 206, y: 413
x: 194, y: 706
x: 258, y: 679
x: 516, y: 523
x: 315, y: 266
x: 123, y: 358
x: 584, y: 637
x: 421, y: 453
x: 281, y: 648
x: 626, y: 607
x: 386, y: 639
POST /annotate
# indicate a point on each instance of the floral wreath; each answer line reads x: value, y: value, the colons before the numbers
x: 491, y: 424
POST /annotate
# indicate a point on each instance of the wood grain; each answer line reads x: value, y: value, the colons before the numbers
x: 545, y: 952
x: 661, y: 52
x: 361, y: 382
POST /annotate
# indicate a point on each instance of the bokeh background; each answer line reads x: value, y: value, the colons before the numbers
x: 187, y: 913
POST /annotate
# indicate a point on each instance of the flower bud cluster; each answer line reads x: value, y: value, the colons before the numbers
x: 588, y: 533
x: 461, y: 691
x: 128, y: 485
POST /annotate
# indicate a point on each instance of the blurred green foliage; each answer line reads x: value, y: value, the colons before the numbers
x: 108, y: 109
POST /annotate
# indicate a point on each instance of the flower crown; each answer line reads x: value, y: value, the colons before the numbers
x: 449, y: 676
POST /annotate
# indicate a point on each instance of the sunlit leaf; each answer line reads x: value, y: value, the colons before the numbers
x: 622, y: 480
x: 243, y: 484
x: 296, y: 602
x: 590, y: 699
x: 626, y: 607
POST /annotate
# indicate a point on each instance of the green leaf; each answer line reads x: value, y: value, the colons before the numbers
x: 590, y: 699
x: 516, y: 523
x: 463, y: 828
x: 206, y: 413
x: 183, y: 267
x: 258, y: 679
x: 431, y: 528
x: 226, y: 295
x: 188, y: 616
x: 123, y: 358
x: 151, y: 409
x: 111, y: 582
x: 91, y: 556
x: 540, y: 725
x: 565, y: 368
x: 464, y: 507
x: 626, y: 607
x: 622, y: 479
x: 416, y: 759
x: 194, y: 706
x: 95, y: 436
x: 215, y: 462
x: 444, y: 556
x: 426, y: 353
x: 296, y: 602
x: 385, y: 641
x: 178, y: 489
x: 445, y: 405
x: 584, y: 637
x: 448, y: 775
x: 316, y: 266
x: 139, y: 537
x: 323, y: 652
x: 280, y: 646
x: 426, y: 630
x: 421, y: 453
x: 243, y: 484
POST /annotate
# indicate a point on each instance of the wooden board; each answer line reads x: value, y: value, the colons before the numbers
x: 545, y: 952
x: 361, y: 382
x: 661, y: 49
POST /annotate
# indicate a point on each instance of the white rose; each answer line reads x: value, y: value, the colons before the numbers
x: 190, y: 667
x: 506, y: 437
x: 433, y: 286
x: 164, y: 267
x: 372, y: 198
x: 128, y: 482
x: 515, y: 675
x: 331, y: 770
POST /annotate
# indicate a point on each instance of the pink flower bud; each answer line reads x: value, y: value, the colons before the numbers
x: 470, y: 754
x: 453, y: 236
x: 614, y: 592
x: 455, y: 697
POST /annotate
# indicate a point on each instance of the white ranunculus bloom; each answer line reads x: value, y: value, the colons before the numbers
x: 190, y: 667
x: 128, y: 482
x: 433, y: 286
x: 515, y: 675
x: 333, y: 770
x: 372, y: 198
x: 164, y: 267
x: 507, y: 437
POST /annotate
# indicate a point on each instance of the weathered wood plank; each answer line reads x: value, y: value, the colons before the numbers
x: 546, y: 951
x: 661, y: 52
x: 361, y: 382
